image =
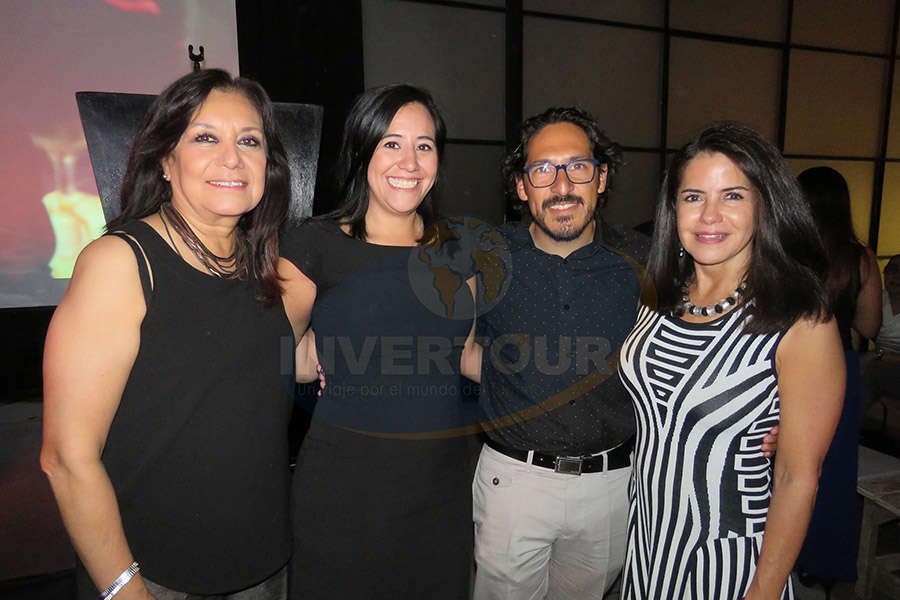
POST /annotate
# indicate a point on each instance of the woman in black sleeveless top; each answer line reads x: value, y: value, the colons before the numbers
x: 165, y: 426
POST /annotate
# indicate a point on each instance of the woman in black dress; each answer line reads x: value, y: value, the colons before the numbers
x: 854, y: 289
x: 381, y: 494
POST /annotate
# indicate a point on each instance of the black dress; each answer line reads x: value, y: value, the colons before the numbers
x: 829, y: 551
x: 382, y: 490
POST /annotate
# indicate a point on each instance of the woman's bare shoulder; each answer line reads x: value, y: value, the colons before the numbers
x: 109, y: 253
x: 106, y: 274
x: 812, y: 330
x: 811, y: 343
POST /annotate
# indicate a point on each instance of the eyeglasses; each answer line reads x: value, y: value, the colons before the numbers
x: 544, y: 174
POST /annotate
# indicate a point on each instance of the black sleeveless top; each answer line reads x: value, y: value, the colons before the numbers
x: 198, y: 450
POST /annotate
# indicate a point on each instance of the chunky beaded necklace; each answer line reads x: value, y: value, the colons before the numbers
x: 704, y: 311
x: 233, y: 266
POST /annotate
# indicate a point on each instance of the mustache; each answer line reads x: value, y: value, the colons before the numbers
x: 558, y: 199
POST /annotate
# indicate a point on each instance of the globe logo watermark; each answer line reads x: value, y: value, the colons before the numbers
x: 393, y: 369
x: 459, y: 248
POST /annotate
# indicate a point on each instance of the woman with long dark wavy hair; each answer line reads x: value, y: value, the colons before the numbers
x: 382, y: 505
x: 165, y: 419
x: 854, y: 290
x: 742, y: 339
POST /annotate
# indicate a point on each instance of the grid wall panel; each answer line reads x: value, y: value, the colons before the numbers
x: 612, y: 72
x: 889, y: 231
x: 457, y: 54
x: 640, y: 12
x: 471, y: 183
x: 835, y: 103
x: 862, y: 25
x: 714, y: 81
x: 632, y: 197
x: 755, y: 19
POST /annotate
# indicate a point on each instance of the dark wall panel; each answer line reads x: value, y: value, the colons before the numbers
x: 308, y: 52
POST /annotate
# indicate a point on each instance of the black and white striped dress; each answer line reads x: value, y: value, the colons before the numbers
x: 705, y: 394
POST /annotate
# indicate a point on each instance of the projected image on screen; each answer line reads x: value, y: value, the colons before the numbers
x: 75, y: 216
x: 49, y: 206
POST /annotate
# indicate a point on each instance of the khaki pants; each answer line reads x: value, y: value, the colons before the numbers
x: 541, y: 534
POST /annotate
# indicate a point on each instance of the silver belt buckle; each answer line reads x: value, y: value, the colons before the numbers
x: 567, y: 465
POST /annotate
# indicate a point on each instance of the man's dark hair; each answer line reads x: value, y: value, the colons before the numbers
x: 603, y: 149
x: 785, y: 278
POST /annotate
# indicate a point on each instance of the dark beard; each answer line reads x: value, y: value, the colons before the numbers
x: 562, y: 236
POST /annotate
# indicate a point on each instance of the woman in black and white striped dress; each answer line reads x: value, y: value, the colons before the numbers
x: 741, y: 340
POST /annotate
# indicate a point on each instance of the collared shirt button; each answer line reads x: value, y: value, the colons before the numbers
x: 495, y: 481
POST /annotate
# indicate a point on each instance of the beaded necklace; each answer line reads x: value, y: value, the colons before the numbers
x: 704, y: 311
x: 233, y: 266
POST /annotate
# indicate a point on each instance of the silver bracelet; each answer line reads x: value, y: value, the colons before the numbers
x: 120, y: 581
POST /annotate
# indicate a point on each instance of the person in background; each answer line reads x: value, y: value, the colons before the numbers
x: 742, y: 338
x: 381, y: 499
x: 854, y: 290
x: 165, y: 416
x: 882, y: 367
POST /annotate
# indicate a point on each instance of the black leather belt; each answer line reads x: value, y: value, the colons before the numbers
x: 618, y: 457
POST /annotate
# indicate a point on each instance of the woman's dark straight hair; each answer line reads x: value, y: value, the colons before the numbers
x: 144, y: 190
x: 785, y: 278
x: 829, y: 197
x: 364, y: 128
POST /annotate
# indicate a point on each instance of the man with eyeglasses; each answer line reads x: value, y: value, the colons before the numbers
x: 550, y: 490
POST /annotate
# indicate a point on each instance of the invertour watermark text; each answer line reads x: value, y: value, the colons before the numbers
x: 423, y: 355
